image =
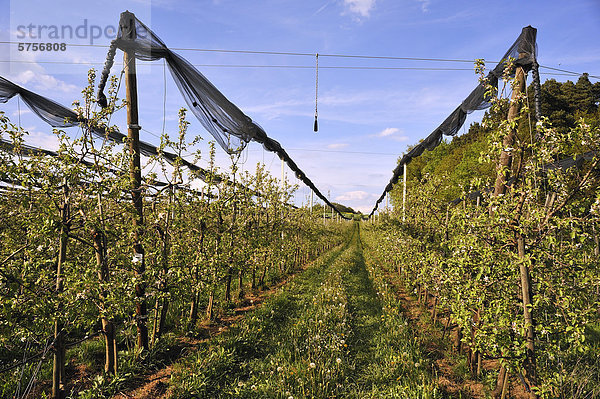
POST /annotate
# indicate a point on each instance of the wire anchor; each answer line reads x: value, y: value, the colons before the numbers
x: 316, y: 127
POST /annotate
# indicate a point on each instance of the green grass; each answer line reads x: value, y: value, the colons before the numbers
x: 331, y: 333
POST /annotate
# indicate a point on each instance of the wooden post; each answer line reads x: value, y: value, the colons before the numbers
x: 505, y: 385
x: 503, y: 172
x: 135, y: 172
x: 505, y: 162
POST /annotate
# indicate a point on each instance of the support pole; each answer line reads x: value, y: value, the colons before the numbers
x: 387, y: 202
x: 503, y: 173
x: 404, y: 196
x: 505, y: 162
x: 135, y: 173
x: 282, y: 174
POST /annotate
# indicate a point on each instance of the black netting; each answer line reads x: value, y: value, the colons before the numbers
x: 562, y: 164
x: 230, y: 127
x: 51, y: 112
x: 570, y: 162
x: 59, y: 116
x: 523, y: 51
x: 27, y: 150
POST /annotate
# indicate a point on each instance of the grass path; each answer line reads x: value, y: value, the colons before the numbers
x: 335, y: 331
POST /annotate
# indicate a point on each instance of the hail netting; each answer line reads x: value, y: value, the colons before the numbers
x: 230, y: 127
x: 27, y: 150
x: 523, y: 51
x: 223, y: 120
x: 562, y: 164
x: 59, y: 116
x: 51, y: 112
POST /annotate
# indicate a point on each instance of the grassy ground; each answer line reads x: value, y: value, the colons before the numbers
x: 334, y: 332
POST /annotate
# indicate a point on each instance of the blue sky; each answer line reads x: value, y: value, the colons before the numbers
x: 367, y: 117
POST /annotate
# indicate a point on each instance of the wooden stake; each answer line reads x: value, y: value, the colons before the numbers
x: 503, y: 173
x: 135, y: 172
x: 505, y: 385
x: 505, y: 161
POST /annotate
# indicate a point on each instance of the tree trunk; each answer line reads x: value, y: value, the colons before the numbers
x: 155, y: 323
x: 529, y: 364
x: 163, y: 286
x: 596, y: 242
x: 162, y: 320
x: 434, y: 310
x: 108, y: 329
x: 241, y: 293
x: 193, y: 312
x: 499, y: 383
x: 210, y: 305
x: 446, y: 326
x: 261, y: 280
x: 458, y: 339
x: 228, y: 279
x: 58, y: 366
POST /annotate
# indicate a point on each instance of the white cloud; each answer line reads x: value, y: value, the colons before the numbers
x: 391, y: 132
x: 354, y: 196
x: 362, y: 8
x: 42, y: 139
x: 43, y: 81
x: 336, y: 146
x: 388, y: 132
x: 277, y: 109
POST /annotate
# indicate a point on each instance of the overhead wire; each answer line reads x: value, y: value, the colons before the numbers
x: 332, y: 67
x: 563, y: 71
x: 307, y: 54
x: 285, y: 53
